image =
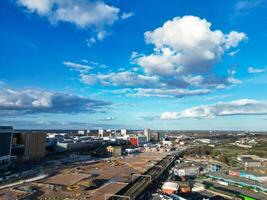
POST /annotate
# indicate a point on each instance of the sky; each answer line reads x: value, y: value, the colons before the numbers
x: 164, y: 65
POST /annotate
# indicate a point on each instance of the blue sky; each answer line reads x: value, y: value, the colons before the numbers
x: 121, y: 64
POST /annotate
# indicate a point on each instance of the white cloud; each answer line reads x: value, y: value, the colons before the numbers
x: 85, y: 61
x: 81, y: 13
x: 127, y: 15
x: 158, y: 92
x: 231, y: 78
x: 107, y: 119
x: 253, y: 70
x: 100, y: 36
x: 92, y: 40
x: 169, y: 115
x: 243, y: 5
x: 223, y: 96
x: 186, y: 45
x: 125, y: 78
x: 238, y: 107
x: 185, y: 51
x: 166, y: 93
x: 76, y: 66
x: 233, y: 53
x: 33, y: 100
x: 234, y: 38
x: 42, y: 7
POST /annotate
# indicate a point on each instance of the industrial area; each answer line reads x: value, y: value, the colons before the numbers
x: 132, y: 164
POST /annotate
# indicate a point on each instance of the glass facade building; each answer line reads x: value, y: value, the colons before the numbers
x: 6, y: 133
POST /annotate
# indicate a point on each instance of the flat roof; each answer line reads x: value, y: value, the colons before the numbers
x: 170, y: 185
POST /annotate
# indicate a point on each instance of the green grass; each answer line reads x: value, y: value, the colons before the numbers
x: 228, y: 153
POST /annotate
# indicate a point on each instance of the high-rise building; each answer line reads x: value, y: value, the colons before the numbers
x: 29, y: 146
x: 123, y: 132
x: 6, y: 133
x: 100, y: 133
x: 147, y: 133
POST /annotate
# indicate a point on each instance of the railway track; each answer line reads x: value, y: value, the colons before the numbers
x: 139, y: 185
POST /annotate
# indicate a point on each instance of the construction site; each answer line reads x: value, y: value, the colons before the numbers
x: 86, y: 181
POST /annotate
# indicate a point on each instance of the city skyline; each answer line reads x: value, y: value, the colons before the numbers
x: 118, y: 64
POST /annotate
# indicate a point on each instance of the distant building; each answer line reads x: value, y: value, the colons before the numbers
x: 147, y: 133
x: 205, y: 141
x: 166, y: 142
x: 252, y: 163
x: 188, y: 171
x: 138, y: 140
x: 114, y: 151
x: 82, y: 132
x: 101, y: 133
x: 29, y: 146
x: 123, y: 132
x: 161, y: 136
x: 250, y: 160
x: 74, y: 145
x: 6, y: 133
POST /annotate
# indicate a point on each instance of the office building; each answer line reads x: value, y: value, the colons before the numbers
x: 138, y: 140
x: 29, y: 146
x: 6, y: 133
x: 147, y: 133
x: 123, y: 132
x: 101, y: 133
x: 114, y: 151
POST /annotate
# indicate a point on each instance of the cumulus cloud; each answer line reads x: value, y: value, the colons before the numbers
x: 187, y: 45
x: 169, y: 115
x: 253, y: 70
x: 81, y: 13
x: 238, y: 107
x: 184, y: 54
x: 30, y: 101
x: 77, y: 66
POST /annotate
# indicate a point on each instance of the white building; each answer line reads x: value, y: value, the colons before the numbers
x: 100, y: 133
x: 147, y: 133
x: 123, y: 132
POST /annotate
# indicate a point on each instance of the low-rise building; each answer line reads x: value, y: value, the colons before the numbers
x: 170, y: 188
x: 249, y: 162
x: 114, y: 151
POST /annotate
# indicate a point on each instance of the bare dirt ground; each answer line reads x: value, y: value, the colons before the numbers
x: 90, y: 181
